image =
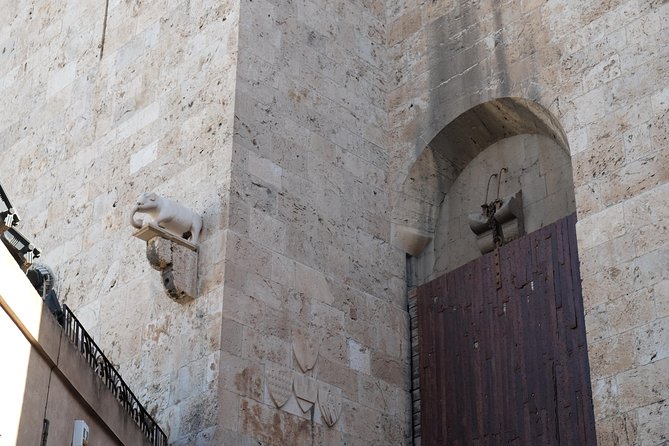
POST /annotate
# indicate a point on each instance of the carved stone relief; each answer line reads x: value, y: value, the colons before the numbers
x: 168, y: 214
x: 282, y: 382
x: 279, y: 384
x: 305, y: 348
x: 174, y: 259
x: 329, y: 402
x: 167, y: 247
x: 306, y: 391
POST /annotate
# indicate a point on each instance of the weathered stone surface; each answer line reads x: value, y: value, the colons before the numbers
x: 275, y: 427
x: 306, y: 391
x: 643, y: 385
x: 622, y: 429
x: 653, y: 341
x: 329, y: 403
x: 612, y: 355
x: 159, y: 253
x: 279, y: 383
x: 652, y: 426
x: 305, y: 348
x: 178, y: 267
x: 302, y: 131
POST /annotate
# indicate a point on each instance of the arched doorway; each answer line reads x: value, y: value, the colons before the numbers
x: 502, y: 353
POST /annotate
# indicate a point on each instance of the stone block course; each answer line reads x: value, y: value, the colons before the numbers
x: 292, y: 127
x: 619, y: 430
x: 651, y: 429
x: 652, y: 341
x: 643, y: 385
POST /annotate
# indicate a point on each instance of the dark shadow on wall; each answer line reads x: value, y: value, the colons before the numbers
x: 50, y: 406
x: 453, y: 148
x: 419, y: 214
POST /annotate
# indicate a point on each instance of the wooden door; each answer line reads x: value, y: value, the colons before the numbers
x: 503, y: 355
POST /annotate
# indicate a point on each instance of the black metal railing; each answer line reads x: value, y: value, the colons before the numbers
x: 112, y: 379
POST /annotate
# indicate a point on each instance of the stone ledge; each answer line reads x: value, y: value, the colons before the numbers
x: 150, y: 230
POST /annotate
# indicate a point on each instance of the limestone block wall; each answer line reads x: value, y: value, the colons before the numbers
x: 600, y: 69
x: 292, y: 126
x: 293, y: 193
x: 87, y: 124
x: 308, y: 253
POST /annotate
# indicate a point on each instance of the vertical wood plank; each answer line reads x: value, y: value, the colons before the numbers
x: 507, y: 364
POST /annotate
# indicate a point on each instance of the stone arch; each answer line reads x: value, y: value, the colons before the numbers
x: 417, y: 205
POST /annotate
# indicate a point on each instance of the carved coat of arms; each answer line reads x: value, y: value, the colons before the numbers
x: 279, y: 384
x: 305, y: 348
x: 306, y: 391
x: 329, y: 402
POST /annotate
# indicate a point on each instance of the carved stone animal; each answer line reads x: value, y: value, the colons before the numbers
x: 168, y: 214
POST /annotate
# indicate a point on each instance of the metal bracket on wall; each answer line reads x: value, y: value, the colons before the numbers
x: 500, y: 220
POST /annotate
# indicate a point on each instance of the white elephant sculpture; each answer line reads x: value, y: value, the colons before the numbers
x: 168, y: 214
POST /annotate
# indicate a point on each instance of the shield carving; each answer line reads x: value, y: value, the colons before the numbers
x: 329, y: 402
x: 306, y: 350
x: 306, y: 391
x: 279, y: 384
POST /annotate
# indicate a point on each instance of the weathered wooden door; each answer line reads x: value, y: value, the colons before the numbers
x: 503, y: 356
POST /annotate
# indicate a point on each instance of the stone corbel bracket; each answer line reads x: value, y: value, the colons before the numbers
x: 411, y: 240
x: 175, y: 258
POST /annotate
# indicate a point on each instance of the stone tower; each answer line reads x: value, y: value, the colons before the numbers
x: 322, y: 142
